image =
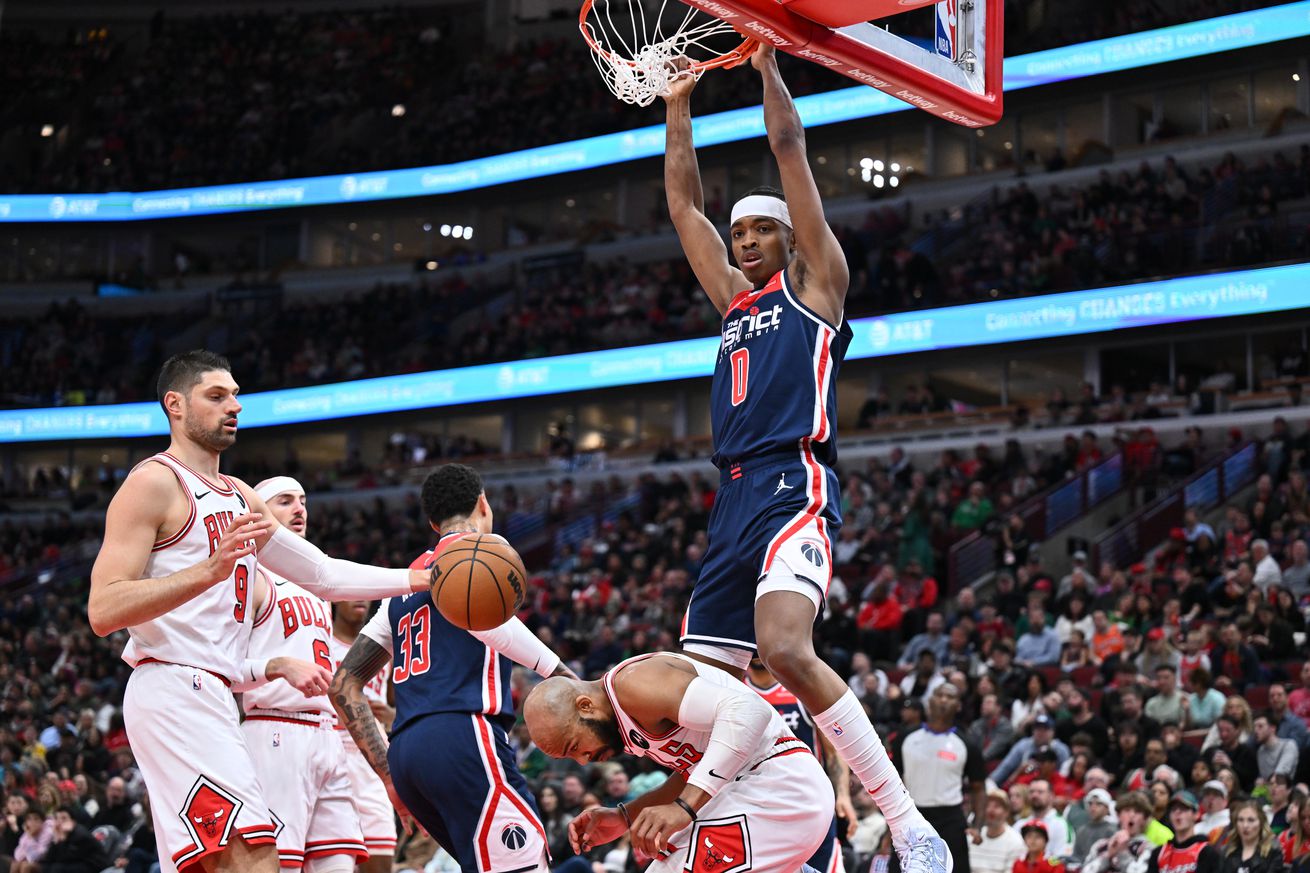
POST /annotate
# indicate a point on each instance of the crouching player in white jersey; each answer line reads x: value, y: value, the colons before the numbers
x: 745, y: 795
x: 177, y: 570
x: 377, y: 818
x: 292, y: 736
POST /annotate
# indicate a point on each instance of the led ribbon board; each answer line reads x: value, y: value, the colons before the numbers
x: 1193, y: 298
x: 1133, y: 51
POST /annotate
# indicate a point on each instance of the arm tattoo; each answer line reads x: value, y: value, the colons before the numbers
x: 361, y: 663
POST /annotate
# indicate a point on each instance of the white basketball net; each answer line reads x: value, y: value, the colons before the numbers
x: 636, y: 58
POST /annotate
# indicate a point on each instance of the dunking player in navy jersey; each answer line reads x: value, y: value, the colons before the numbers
x: 828, y: 857
x: 773, y: 407
x: 449, y: 763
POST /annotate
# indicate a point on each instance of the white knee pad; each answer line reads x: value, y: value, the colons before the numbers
x: 331, y: 864
x: 782, y: 578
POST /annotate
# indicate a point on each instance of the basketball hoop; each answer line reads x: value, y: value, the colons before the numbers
x: 639, y: 55
x: 958, y: 76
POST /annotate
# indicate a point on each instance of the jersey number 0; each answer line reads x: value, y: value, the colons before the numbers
x: 741, y: 365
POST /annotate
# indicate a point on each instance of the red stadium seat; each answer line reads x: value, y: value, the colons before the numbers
x: 1083, y: 677
x: 1257, y: 696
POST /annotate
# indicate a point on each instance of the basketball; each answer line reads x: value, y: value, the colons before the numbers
x: 478, y: 582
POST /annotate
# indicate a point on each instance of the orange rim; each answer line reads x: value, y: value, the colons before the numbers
x: 725, y: 61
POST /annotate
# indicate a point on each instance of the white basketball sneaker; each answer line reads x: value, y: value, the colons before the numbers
x: 923, y: 851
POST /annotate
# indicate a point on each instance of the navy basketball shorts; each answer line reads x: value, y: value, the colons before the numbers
x: 779, y: 513
x: 456, y: 773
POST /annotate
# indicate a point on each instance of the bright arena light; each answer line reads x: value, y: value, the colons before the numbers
x: 457, y: 231
x: 47, y: 130
x: 468, y: 233
x: 445, y: 230
x: 398, y: 111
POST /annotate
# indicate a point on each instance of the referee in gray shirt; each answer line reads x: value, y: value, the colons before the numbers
x: 935, y: 761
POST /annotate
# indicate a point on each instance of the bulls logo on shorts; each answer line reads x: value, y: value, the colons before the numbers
x: 721, y: 846
x: 637, y: 739
x: 514, y: 836
x: 210, y: 814
x: 813, y: 552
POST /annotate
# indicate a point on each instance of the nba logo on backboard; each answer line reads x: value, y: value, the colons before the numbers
x: 947, y: 28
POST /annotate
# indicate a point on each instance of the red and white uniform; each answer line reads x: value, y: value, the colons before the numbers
x: 1187, y: 663
x: 292, y: 738
x: 769, y: 819
x: 376, y: 817
x: 181, y: 718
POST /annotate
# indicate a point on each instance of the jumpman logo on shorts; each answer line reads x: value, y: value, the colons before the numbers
x: 782, y: 485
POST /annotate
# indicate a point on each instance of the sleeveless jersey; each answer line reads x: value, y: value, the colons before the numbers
x: 211, y: 630
x: 775, y: 379
x: 438, y: 667
x: 681, y: 748
x: 1188, y: 663
x: 293, y: 624
x: 1182, y: 859
x: 374, y: 689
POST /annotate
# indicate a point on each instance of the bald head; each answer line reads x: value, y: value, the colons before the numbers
x: 550, y: 710
x: 568, y: 718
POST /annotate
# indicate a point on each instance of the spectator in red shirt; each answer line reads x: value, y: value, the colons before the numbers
x: 917, y: 593
x: 1299, y: 700
x: 1089, y: 453
x: 879, y: 622
x: 1237, y: 542
x: 1048, y: 768
x: 1034, y: 837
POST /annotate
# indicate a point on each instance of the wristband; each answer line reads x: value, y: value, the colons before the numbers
x: 623, y: 811
x: 686, y: 807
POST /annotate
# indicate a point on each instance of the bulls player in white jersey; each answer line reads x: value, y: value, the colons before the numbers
x: 176, y: 569
x: 377, y: 818
x: 744, y: 794
x: 293, y: 740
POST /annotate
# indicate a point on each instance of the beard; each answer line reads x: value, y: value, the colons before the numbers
x: 605, y: 730
x: 216, y: 440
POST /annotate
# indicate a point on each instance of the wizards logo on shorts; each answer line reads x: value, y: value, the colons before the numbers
x: 812, y: 552
x: 514, y: 836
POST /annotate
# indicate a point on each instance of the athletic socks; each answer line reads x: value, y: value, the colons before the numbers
x: 848, y: 728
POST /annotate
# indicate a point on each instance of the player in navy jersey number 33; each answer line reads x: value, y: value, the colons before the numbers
x: 773, y: 408
x: 449, y: 762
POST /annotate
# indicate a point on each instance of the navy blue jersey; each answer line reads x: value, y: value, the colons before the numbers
x: 775, y: 380
x: 438, y: 667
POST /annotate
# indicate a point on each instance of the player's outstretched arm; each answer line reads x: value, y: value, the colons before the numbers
x: 298, y: 559
x: 701, y: 242
x: 827, y: 275
x: 513, y: 640
x: 365, y: 658
x: 119, y: 596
